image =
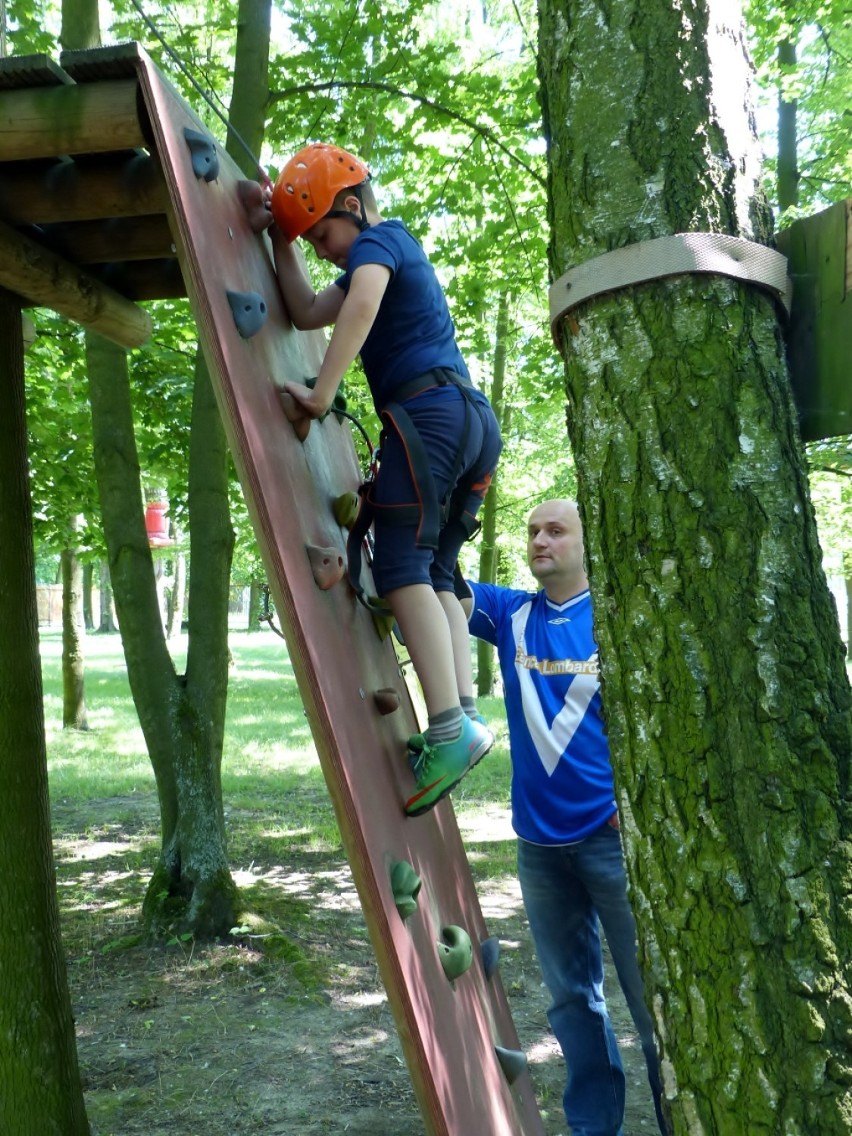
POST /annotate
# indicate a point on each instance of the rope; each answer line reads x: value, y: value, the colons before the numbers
x: 182, y: 67
x: 671, y: 256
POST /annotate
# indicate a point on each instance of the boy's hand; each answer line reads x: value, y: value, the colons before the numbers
x: 307, y: 399
x: 255, y: 199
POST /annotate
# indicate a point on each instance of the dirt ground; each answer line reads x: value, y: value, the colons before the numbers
x: 235, y: 1039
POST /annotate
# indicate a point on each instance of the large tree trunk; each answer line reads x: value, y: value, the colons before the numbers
x: 725, y: 690
x: 182, y: 716
x: 488, y: 554
x: 40, y: 1092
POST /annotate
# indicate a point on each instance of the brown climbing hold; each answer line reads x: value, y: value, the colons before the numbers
x: 295, y: 414
x: 258, y: 215
x: 386, y: 699
x: 326, y: 565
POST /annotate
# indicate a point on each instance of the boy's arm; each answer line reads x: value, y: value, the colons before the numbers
x: 357, y: 314
x: 307, y: 309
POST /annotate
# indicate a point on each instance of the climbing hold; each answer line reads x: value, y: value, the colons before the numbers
x: 327, y: 566
x: 455, y: 951
x: 202, y: 149
x: 489, y: 950
x: 249, y: 312
x: 296, y: 415
x: 346, y: 509
x: 386, y: 699
x: 258, y: 213
x: 405, y: 885
x: 513, y: 1062
x: 382, y: 615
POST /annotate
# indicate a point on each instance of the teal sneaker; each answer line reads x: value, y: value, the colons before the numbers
x: 439, y: 767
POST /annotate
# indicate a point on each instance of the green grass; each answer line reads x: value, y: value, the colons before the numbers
x: 269, y: 758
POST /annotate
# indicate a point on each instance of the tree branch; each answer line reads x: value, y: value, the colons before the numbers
x: 389, y: 89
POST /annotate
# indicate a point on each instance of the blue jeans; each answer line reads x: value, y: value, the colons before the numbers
x: 566, y: 889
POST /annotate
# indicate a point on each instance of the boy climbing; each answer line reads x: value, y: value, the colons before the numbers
x: 440, y: 441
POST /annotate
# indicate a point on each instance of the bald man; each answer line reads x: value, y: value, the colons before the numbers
x: 570, y: 862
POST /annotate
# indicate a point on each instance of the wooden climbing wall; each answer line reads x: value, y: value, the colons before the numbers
x: 449, y: 1030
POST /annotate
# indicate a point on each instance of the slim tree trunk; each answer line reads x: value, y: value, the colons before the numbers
x: 177, y: 594
x: 488, y: 555
x: 254, y: 604
x: 73, y: 637
x: 788, y: 162
x: 40, y: 1092
x: 107, y: 623
x: 725, y: 692
x: 88, y: 587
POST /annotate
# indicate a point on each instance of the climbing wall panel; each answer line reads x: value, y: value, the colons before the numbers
x: 457, y: 1033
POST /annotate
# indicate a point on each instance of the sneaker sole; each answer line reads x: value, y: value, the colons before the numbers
x: 478, y: 755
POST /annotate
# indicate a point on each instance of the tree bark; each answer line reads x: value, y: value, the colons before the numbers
x: 40, y: 1091
x: 725, y: 691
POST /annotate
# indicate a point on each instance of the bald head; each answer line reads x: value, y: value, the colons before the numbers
x: 555, y: 549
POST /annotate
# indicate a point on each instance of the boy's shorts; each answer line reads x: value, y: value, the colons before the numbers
x: 439, y: 416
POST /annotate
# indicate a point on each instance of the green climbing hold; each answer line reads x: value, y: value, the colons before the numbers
x: 455, y: 951
x: 405, y: 885
x: 346, y: 509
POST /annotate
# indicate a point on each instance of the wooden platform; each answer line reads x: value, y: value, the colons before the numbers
x: 146, y: 221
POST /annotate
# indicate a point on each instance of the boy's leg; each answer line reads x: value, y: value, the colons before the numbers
x: 426, y: 633
x: 460, y: 637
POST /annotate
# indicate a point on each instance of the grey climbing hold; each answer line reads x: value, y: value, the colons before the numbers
x: 489, y: 950
x: 513, y: 1062
x: 455, y: 951
x: 405, y: 885
x: 249, y: 312
x: 205, y: 160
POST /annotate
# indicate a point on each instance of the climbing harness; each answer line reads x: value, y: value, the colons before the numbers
x: 428, y: 513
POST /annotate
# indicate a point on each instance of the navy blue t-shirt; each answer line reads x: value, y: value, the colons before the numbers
x: 413, y: 331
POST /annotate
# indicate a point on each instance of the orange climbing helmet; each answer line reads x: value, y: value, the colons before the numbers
x: 307, y: 186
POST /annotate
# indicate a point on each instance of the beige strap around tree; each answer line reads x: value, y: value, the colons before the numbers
x: 671, y: 256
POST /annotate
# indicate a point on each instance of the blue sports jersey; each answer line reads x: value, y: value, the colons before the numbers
x: 413, y: 331
x: 562, y: 788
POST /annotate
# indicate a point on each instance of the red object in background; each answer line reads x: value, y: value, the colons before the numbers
x: 156, y: 524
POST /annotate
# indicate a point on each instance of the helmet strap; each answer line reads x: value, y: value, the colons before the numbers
x: 361, y: 221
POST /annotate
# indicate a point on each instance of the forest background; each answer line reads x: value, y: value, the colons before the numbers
x: 464, y: 167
